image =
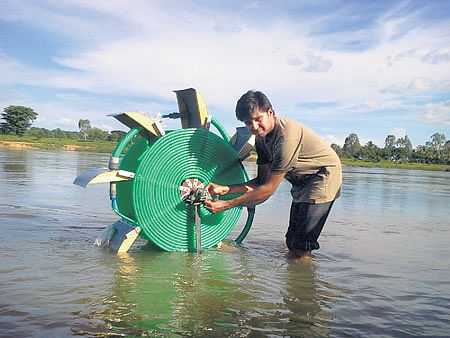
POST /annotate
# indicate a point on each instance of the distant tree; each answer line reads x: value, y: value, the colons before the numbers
x: 370, y: 152
x: 389, y: 146
x: 38, y: 132
x: 337, y: 149
x: 404, y: 142
x: 421, y: 155
x: 437, y: 142
x: 74, y: 135
x: 55, y: 133
x: 116, y: 135
x: 84, y: 126
x: 351, y: 146
x: 18, y: 120
x: 389, y: 142
x: 403, y: 150
x: 58, y: 133
x: 96, y: 134
x: 436, y: 150
x: 446, y: 156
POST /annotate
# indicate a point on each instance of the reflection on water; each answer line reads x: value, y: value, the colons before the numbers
x: 382, y: 268
x: 222, y: 290
x: 15, y: 167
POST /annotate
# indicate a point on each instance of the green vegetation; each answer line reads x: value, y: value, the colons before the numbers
x: 90, y: 134
x: 351, y: 162
x: 61, y: 143
x: 17, y: 120
x: 17, y: 128
x: 397, y: 153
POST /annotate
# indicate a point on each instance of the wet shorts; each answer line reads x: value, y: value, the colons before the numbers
x: 305, y: 225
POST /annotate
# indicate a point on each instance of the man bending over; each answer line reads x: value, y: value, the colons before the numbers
x: 286, y: 149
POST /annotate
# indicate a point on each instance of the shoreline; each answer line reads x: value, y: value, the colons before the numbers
x: 108, y: 147
x: 30, y: 143
x: 19, y: 145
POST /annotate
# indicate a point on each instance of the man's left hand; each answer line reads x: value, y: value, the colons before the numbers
x: 217, y: 206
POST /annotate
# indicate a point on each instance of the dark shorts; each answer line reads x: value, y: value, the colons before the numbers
x: 305, y: 225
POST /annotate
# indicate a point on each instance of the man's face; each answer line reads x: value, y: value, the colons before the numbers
x: 260, y: 123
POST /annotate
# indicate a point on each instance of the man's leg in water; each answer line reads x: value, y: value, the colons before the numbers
x: 305, y: 225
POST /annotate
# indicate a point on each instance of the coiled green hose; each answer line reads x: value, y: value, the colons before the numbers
x: 220, y: 128
x: 181, y: 155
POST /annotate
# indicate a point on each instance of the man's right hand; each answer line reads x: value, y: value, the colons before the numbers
x: 217, y: 189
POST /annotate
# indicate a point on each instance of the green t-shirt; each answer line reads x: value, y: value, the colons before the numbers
x: 311, y: 166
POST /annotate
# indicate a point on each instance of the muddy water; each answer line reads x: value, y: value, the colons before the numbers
x: 382, y: 268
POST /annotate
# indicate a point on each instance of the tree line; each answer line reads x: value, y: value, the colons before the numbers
x: 436, y: 151
x: 18, y: 120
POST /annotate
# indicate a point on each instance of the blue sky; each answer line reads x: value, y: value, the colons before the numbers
x: 372, y: 68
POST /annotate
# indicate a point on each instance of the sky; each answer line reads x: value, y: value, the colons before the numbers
x: 372, y: 68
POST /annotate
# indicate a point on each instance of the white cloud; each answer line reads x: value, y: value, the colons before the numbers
x: 310, y: 63
x: 13, y: 71
x: 106, y: 127
x: 330, y: 139
x: 69, y: 96
x: 161, y: 56
x: 378, y: 142
x: 371, y: 105
x: 438, y: 113
x: 437, y: 56
x: 64, y: 116
x: 148, y: 49
x: 398, y: 132
x: 66, y: 122
x: 417, y: 85
x: 434, y: 56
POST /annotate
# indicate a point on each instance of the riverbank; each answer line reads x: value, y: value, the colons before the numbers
x: 394, y: 165
x: 30, y: 143
x: 349, y: 162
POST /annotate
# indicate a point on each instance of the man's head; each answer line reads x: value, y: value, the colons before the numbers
x: 255, y: 110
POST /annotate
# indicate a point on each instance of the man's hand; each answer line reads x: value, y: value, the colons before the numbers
x: 217, y: 189
x: 253, y: 192
x: 217, y: 205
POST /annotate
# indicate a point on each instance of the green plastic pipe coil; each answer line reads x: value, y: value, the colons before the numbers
x: 114, y: 163
x: 250, y: 209
x: 124, y: 141
x: 158, y: 208
x: 220, y: 128
x: 248, y: 224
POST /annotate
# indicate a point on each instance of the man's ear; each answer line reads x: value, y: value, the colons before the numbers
x: 270, y: 112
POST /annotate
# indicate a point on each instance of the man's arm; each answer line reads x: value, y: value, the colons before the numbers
x: 254, y: 192
x: 242, y: 188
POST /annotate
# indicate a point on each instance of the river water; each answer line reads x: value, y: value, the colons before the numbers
x: 382, y: 270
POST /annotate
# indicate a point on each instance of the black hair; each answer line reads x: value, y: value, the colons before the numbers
x: 250, y: 102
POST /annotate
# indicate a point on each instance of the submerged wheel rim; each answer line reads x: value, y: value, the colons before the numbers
x: 182, y: 155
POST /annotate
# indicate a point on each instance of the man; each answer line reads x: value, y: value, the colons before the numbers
x: 286, y: 149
